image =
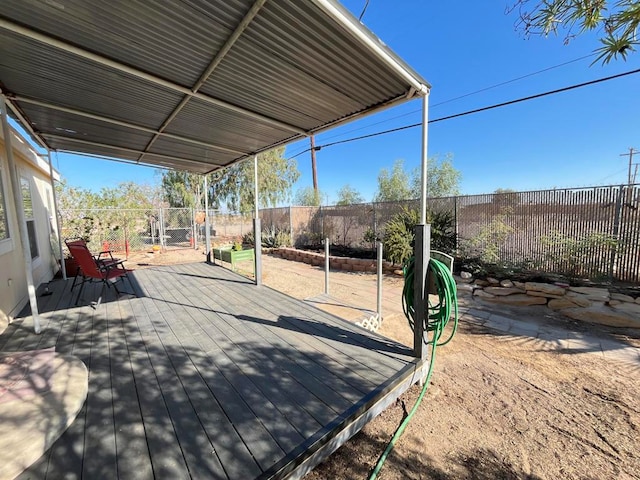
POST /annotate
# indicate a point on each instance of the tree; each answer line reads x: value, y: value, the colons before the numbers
x: 234, y: 186
x: 182, y: 189
x: 443, y: 180
x: 308, y: 197
x: 394, y: 185
x: 347, y: 195
x: 615, y: 21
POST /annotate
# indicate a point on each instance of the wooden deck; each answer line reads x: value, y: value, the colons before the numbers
x: 205, y: 375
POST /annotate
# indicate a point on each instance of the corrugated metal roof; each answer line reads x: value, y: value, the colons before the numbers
x: 195, y: 84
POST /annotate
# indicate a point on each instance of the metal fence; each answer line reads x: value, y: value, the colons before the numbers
x: 132, y: 230
x: 578, y: 232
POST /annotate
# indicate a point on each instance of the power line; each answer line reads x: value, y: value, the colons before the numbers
x: 477, y: 110
x: 465, y: 95
x: 363, y: 10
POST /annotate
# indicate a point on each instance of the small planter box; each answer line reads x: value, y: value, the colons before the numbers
x: 227, y: 254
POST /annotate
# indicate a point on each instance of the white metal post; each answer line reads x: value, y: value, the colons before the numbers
x: 63, y: 267
x: 326, y: 266
x: 22, y: 226
x: 207, y: 227
x: 422, y: 243
x: 257, y: 233
x: 379, y: 279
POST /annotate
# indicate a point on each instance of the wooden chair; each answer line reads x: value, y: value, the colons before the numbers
x: 92, y: 269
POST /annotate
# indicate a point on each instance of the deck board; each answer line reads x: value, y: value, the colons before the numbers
x: 205, y: 375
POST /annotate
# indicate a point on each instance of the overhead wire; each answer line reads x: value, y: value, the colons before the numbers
x: 470, y: 112
x: 466, y: 95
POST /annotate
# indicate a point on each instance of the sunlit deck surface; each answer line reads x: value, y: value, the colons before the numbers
x: 205, y: 375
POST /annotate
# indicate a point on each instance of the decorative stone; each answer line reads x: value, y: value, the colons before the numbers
x: 631, y: 308
x: 502, y: 291
x: 461, y: 280
x: 482, y: 294
x: 482, y: 283
x: 638, y: 300
x: 592, y: 293
x: 465, y: 275
x: 544, y: 288
x: 562, y: 284
x: 506, y: 284
x: 579, y: 299
x: 621, y: 297
x: 493, y: 281
x: 613, y: 303
x: 519, y: 285
x: 534, y: 293
x: 604, y: 316
x: 465, y: 288
x: 560, y: 303
x: 519, y: 299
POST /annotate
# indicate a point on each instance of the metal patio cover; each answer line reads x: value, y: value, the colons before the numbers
x: 195, y: 84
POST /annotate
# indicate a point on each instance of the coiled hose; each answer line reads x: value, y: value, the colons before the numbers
x: 436, y: 319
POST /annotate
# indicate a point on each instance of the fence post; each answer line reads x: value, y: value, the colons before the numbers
x: 455, y: 220
x: 326, y: 266
x: 616, y: 232
x: 293, y: 242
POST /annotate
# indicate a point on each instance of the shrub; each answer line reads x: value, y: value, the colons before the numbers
x: 271, y: 237
x: 399, y: 236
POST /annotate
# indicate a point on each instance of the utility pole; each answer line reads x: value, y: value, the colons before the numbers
x: 313, y: 165
x: 631, y: 179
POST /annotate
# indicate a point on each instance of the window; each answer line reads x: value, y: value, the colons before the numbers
x: 27, y: 204
x: 4, y: 221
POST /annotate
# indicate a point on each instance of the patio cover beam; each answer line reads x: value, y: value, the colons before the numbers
x: 113, y: 121
x: 27, y: 126
x: 94, y: 57
x: 19, y: 209
x: 122, y: 149
x: 235, y: 35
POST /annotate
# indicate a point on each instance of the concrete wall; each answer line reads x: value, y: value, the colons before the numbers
x: 13, y: 284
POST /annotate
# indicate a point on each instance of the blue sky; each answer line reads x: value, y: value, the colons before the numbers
x: 566, y: 140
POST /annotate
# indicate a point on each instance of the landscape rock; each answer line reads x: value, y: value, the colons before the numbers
x: 613, y: 303
x: 592, y: 293
x: 518, y: 284
x: 621, y: 297
x: 506, y: 284
x: 578, y: 299
x: 460, y: 279
x: 535, y: 293
x: 465, y: 288
x: 519, y: 299
x: 630, y: 308
x: 502, y: 290
x: 493, y: 281
x: 560, y: 303
x: 544, y: 288
x: 603, y: 315
x: 482, y: 294
x: 482, y: 283
x: 465, y: 275
x: 562, y: 284
x: 638, y: 300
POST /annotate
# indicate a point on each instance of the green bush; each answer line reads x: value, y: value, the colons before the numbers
x: 399, y: 236
x: 271, y: 237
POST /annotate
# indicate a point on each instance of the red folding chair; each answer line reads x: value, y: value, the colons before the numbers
x: 104, y: 258
x: 92, y: 269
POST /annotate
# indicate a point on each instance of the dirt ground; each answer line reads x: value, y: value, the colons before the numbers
x: 498, y: 407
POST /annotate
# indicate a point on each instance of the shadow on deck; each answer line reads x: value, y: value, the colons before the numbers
x: 205, y: 375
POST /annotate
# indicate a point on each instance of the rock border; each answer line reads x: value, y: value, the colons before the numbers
x: 589, y: 304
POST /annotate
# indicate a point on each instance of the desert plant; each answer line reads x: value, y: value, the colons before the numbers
x: 399, y: 236
x: 487, y: 243
x: 587, y: 255
x: 271, y: 237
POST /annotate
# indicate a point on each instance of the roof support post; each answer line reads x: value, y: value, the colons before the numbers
x: 257, y: 232
x: 19, y: 208
x: 207, y: 227
x: 422, y: 253
x: 63, y: 267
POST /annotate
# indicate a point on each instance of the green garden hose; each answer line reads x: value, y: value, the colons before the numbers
x: 436, y: 320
